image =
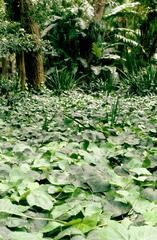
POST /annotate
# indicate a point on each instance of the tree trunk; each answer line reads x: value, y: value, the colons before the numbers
x: 21, y: 69
x: 21, y: 11
x: 5, y: 66
x: 99, y: 7
x: 33, y: 59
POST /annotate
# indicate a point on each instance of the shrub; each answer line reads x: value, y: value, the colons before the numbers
x: 8, y: 85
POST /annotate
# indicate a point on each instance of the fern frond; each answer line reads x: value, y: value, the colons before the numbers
x: 127, y: 7
x: 112, y: 46
x: 127, y: 30
x: 97, y: 51
x: 111, y: 56
x: 127, y: 40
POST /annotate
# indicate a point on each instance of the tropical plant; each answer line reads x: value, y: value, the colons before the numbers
x: 143, y: 82
x: 90, y: 38
x: 90, y: 45
x: 148, y: 23
x: 61, y: 80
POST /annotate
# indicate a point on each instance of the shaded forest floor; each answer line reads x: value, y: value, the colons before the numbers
x: 78, y: 167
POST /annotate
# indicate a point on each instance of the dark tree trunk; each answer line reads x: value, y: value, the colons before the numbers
x: 32, y: 61
x: 20, y: 60
x: 5, y: 66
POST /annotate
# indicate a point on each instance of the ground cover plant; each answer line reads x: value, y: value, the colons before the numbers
x: 78, y: 167
x: 78, y: 160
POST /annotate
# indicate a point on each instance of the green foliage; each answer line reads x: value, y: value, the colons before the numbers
x: 143, y: 82
x: 8, y: 85
x: 93, y: 47
x: 89, y: 173
x: 61, y: 80
x: 124, y: 40
x: 102, y: 79
x: 13, y: 38
x: 82, y: 42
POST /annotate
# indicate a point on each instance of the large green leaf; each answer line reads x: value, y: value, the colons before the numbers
x: 21, y: 147
x: 51, y: 226
x: 59, y: 178
x: 112, y: 231
x: 17, y: 174
x: 4, y: 232
x: 115, y: 208
x: 98, y: 184
x: 123, y: 138
x: 140, y: 171
x: 4, y: 188
x: 150, y: 194
x: 150, y: 217
x: 15, y: 222
x: 78, y: 237
x: 143, y: 233
x: 6, y: 206
x: 66, y: 210
x: 68, y: 232
x: 92, y: 208
x: 118, y: 231
x: 40, y: 199
x: 142, y: 205
x: 88, y: 223
x: 25, y: 236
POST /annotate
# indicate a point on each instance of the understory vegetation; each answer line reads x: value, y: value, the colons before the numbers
x: 92, y: 45
x: 78, y: 167
x: 78, y: 120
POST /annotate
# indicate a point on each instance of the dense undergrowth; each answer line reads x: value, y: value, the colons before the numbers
x: 78, y: 167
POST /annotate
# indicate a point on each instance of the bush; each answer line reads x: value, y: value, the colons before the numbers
x: 103, y: 79
x: 8, y: 85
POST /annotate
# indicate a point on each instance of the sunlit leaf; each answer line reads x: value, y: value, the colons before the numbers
x: 40, y: 199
